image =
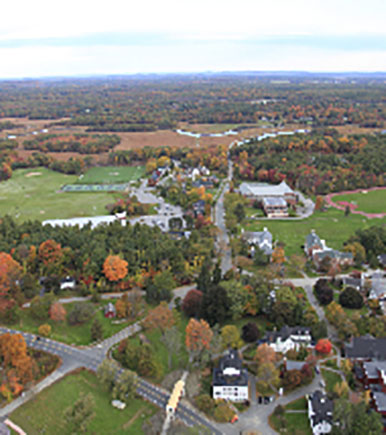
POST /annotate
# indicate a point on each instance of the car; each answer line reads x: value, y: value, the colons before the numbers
x: 322, y: 384
x: 317, y: 370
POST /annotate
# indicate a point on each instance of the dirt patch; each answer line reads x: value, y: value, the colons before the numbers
x: 354, y: 129
x: 33, y: 174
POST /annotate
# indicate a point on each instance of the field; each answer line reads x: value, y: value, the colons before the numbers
x: 62, y: 331
x: 331, y: 378
x: 44, y: 414
x: 111, y: 174
x: 294, y: 423
x: 371, y: 202
x: 33, y: 194
x: 331, y: 225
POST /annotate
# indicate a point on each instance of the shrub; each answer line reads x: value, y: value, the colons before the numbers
x: 223, y: 413
x: 44, y: 330
x: 205, y: 403
x: 323, y: 292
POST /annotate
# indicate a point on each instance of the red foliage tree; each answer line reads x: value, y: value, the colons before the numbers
x: 57, y: 312
x: 323, y: 346
x: 10, y: 271
x: 192, y: 303
x: 50, y: 252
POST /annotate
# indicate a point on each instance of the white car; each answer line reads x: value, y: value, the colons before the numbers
x: 118, y: 404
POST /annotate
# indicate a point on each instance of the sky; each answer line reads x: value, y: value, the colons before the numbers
x: 43, y: 38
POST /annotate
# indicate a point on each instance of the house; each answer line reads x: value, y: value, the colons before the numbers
x: 366, y: 348
x: 258, y: 191
x: 230, y: 380
x: 110, y: 311
x: 275, y: 207
x: 320, y: 412
x: 288, y: 338
x: 260, y: 239
x: 317, y: 250
x: 67, y: 282
x: 199, y: 207
x: 382, y: 260
x: 378, y: 286
x: 373, y: 373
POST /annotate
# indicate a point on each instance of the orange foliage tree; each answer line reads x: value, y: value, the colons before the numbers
x: 114, y: 268
x: 265, y: 353
x: 160, y: 317
x: 124, y: 307
x: 10, y: 271
x: 50, y: 252
x: 198, y: 337
x: 278, y: 255
x: 13, y: 350
x: 57, y: 312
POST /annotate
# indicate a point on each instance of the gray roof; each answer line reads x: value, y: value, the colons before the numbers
x: 286, y: 331
x: 366, y: 347
x: 230, y: 360
x: 313, y: 240
x: 380, y: 401
x: 263, y: 239
x: 371, y: 368
x: 333, y: 253
x: 322, y: 406
x: 294, y: 365
x: 272, y: 201
x: 264, y: 189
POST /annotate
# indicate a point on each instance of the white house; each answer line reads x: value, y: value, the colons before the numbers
x: 320, y: 413
x: 261, y: 239
x: 67, y: 283
x: 230, y: 380
x: 289, y: 338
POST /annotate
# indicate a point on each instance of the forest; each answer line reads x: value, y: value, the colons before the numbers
x: 317, y: 163
x: 151, y: 103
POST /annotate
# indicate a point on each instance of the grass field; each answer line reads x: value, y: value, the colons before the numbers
x: 112, y: 174
x: 331, y: 379
x: 294, y: 423
x: 330, y: 225
x: 44, y: 413
x: 33, y: 194
x: 371, y: 202
x: 62, y: 331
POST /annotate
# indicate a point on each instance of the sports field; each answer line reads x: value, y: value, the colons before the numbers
x: 331, y: 225
x: 34, y: 194
x: 373, y: 201
x: 111, y: 175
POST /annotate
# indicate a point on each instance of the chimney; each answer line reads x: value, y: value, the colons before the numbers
x: 265, y: 229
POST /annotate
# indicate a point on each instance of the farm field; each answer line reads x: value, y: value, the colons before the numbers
x: 33, y: 194
x: 53, y: 401
x: 112, y: 174
x: 331, y: 225
x: 371, y: 202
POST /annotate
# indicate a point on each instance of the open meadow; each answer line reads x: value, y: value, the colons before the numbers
x: 44, y: 413
x: 372, y: 201
x: 111, y: 174
x: 33, y: 194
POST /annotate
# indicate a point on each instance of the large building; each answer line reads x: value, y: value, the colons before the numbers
x: 288, y: 338
x: 320, y: 413
x: 230, y: 380
x: 259, y: 239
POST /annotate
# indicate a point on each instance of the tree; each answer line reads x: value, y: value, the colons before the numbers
x: 214, y: 305
x: 264, y: 353
x: 57, y: 312
x: 358, y: 251
x: 236, y: 296
x: 125, y: 386
x: 239, y: 212
x: 292, y: 379
x: 40, y: 306
x: 80, y: 313
x: 267, y: 377
x: 319, y: 203
x: 319, y: 330
x: 10, y: 271
x: 341, y: 389
x: 106, y: 374
x: 204, y: 279
x: 172, y: 339
x: 347, y: 210
x: 50, y: 252
x: 323, y: 291
x: 44, y: 330
x: 159, y: 288
x: 323, y: 346
x: 351, y: 298
x: 198, y: 337
x: 278, y: 256
x: 13, y: 350
x: 96, y: 330
x: 191, y: 304
x: 123, y: 307
x: 80, y: 414
x: 250, y: 332
x: 114, y: 268
x: 160, y: 317
x: 230, y: 336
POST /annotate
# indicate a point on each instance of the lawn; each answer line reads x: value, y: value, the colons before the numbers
x: 330, y: 225
x: 62, y: 331
x: 294, y: 423
x: 297, y: 404
x: 371, y: 202
x: 44, y: 413
x: 26, y: 196
x: 111, y: 174
x: 331, y: 378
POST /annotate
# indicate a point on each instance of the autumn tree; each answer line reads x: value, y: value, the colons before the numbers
x: 267, y: 377
x: 292, y: 379
x: 13, y: 350
x: 278, y: 256
x: 44, y: 330
x: 57, y: 312
x: 123, y: 307
x: 230, y: 336
x: 264, y: 353
x: 319, y: 203
x: 191, y: 304
x: 198, y: 337
x: 50, y: 252
x: 115, y: 268
x: 10, y: 271
x: 323, y: 346
x: 160, y: 317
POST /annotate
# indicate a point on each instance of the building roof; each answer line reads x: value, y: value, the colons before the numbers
x: 366, y: 347
x: 294, y: 365
x: 230, y: 371
x: 313, y: 240
x: 371, y: 368
x: 286, y: 331
x: 261, y: 238
x: 274, y: 201
x: 322, y: 406
x: 382, y: 259
x: 333, y: 253
x: 110, y: 308
x: 265, y: 189
x: 380, y: 401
